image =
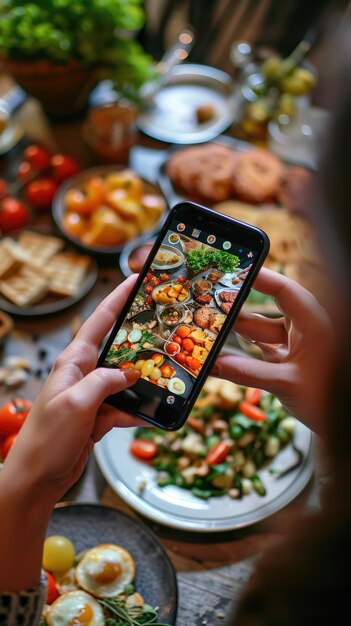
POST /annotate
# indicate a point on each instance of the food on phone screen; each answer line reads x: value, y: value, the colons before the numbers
x: 231, y: 434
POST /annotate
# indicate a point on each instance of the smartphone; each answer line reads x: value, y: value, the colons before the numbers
x: 181, y: 310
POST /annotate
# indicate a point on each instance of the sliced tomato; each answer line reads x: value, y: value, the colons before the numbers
x: 143, y: 448
x: 51, y: 590
x: 12, y: 416
x: 253, y: 395
x: 218, y: 453
x: 252, y: 411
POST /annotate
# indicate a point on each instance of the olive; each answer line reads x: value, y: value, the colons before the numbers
x: 299, y: 82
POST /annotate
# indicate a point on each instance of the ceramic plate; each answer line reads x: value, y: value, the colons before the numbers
x: 172, y: 115
x: 87, y: 525
x: 136, y: 483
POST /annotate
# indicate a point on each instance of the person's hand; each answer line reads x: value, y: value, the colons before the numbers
x: 297, y: 348
x: 69, y: 416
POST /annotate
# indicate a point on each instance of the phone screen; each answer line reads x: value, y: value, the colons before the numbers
x: 178, y: 314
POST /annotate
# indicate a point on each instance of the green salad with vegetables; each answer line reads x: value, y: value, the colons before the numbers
x: 231, y: 433
x: 199, y: 259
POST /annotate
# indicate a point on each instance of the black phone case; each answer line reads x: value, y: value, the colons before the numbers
x: 206, y: 368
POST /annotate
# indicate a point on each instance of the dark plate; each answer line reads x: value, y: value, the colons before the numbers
x: 51, y: 305
x: 76, y: 181
x: 87, y: 525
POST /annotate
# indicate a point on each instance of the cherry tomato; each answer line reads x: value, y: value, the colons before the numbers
x: 172, y: 348
x: 24, y: 171
x: 252, y: 411
x: 195, y: 364
x: 218, y: 453
x: 64, y: 167
x: 4, y: 189
x: 13, y: 214
x: 180, y: 358
x: 178, y: 340
x: 12, y: 416
x: 58, y: 553
x: 253, y: 395
x: 51, y: 589
x: 7, y: 444
x: 143, y: 448
x: 37, y: 156
x: 126, y: 365
x: 40, y: 192
x: 184, y: 331
x: 188, y: 345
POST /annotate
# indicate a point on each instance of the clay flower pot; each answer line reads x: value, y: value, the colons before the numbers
x: 62, y: 89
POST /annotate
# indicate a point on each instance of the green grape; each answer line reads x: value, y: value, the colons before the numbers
x: 271, y: 67
x: 299, y: 82
x: 58, y: 554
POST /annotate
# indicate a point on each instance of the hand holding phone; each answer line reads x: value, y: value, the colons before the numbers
x: 182, y: 308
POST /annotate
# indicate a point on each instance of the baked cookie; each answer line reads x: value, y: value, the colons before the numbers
x: 293, y: 189
x: 291, y: 237
x: 257, y: 176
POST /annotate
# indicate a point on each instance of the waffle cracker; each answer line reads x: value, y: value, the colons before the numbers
x: 66, y: 270
x: 25, y: 287
x: 39, y: 247
x: 11, y: 257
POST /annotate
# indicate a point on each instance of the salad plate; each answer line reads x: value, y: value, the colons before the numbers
x: 136, y: 482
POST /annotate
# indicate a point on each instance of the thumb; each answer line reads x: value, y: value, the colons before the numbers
x: 93, y: 389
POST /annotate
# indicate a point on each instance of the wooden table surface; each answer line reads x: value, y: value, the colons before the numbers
x: 212, y: 568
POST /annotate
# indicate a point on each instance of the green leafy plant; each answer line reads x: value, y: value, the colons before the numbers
x: 94, y: 32
x: 200, y: 258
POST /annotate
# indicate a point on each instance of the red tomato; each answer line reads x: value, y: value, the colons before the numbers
x: 178, y: 339
x: 188, y: 345
x: 143, y: 448
x: 195, y: 364
x: 40, y: 192
x: 51, y: 590
x: 184, y: 331
x: 64, y: 167
x: 37, y: 156
x: 252, y: 411
x: 253, y: 395
x: 6, y: 445
x: 172, y: 348
x: 24, y: 171
x: 4, y: 189
x: 126, y: 365
x: 180, y: 358
x: 13, y: 214
x: 218, y: 453
x: 12, y: 416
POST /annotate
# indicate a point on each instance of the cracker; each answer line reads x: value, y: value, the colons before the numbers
x: 25, y: 287
x: 39, y: 247
x: 65, y: 272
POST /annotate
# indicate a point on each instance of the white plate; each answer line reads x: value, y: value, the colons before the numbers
x: 172, y: 116
x: 10, y: 135
x: 178, y: 508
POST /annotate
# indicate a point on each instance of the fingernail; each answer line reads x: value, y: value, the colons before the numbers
x: 131, y: 374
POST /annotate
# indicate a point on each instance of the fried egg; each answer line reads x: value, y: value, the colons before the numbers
x: 105, y: 570
x: 75, y: 607
x: 66, y: 582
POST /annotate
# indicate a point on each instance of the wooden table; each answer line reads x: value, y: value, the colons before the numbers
x: 212, y: 568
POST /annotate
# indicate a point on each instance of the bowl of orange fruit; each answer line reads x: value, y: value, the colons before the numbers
x: 103, y: 208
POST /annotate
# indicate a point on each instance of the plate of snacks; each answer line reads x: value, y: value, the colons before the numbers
x: 40, y: 274
x: 239, y: 458
x: 103, y: 208
x: 94, y: 562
